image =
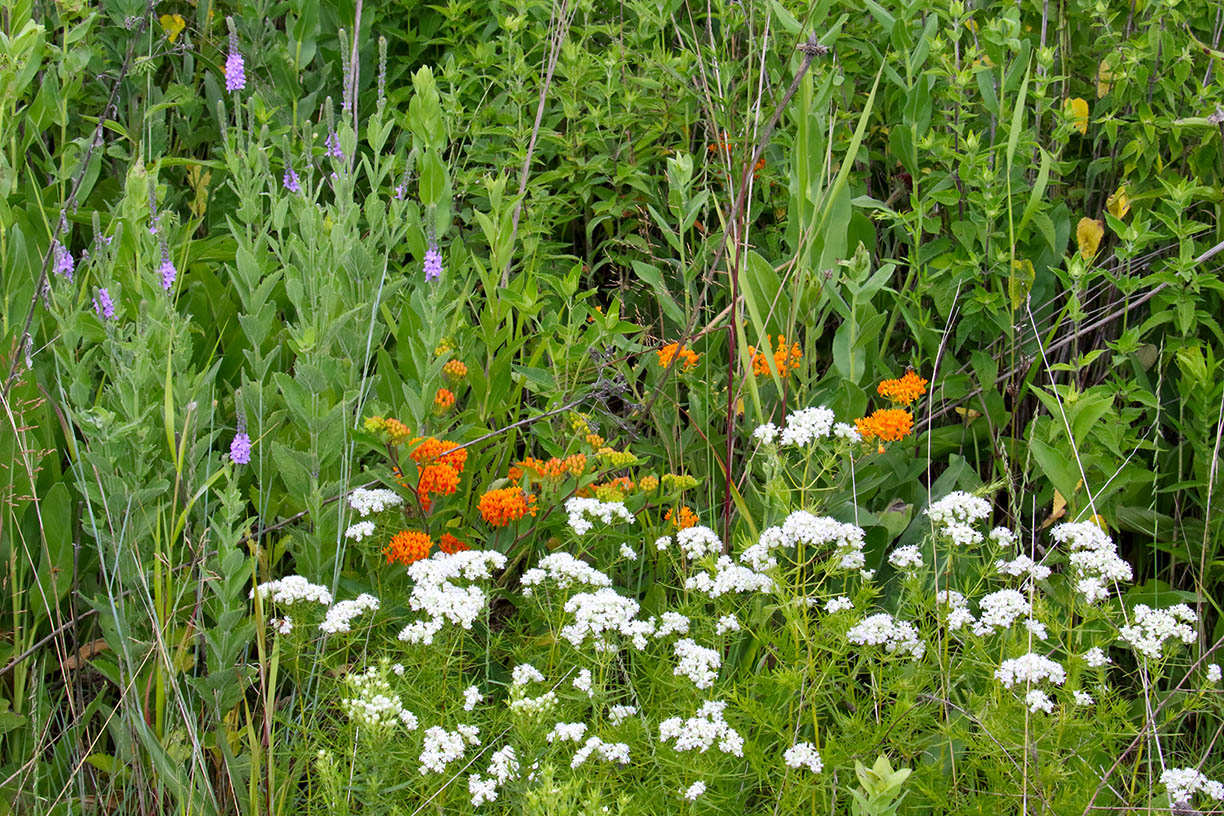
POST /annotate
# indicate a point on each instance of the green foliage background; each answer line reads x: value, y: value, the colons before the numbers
x: 917, y: 207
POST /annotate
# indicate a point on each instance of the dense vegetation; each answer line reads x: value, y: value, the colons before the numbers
x: 570, y: 407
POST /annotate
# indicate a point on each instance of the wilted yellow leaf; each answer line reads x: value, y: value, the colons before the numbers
x: 1099, y: 521
x: 1078, y: 109
x: 1104, y: 78
x: 173, y: 25
x: 1118, y: 204
x: 972, y: 25
x: 1088, y: 235
x: 1058, y: 511
x: 1021, y: 281
x: 968, y: 414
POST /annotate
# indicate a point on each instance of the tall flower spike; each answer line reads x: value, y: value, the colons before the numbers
x: 291, y: 181
x: 167, y: 270
x: 64, y: 263
x: 240, y: 447
x: 103, y: 305
x: 235, y: 75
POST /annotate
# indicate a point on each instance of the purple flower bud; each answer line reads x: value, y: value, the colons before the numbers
x: 103, y: 305
x: 433, y: 264
x: 64, y: 264
x: 400, y: 191
x: 240, y: 448
x: 168, y: 272
x: 291, y: 181
x: 235, y: 76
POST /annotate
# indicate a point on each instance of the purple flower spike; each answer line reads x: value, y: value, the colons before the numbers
x: 291, y: 181
x: 240, y: 448
x: 332, y: 144
x: 235, y: 76
x: 64, y: 264
x: 103, y: 305
x: 168, y: 272
x: 433, y: 264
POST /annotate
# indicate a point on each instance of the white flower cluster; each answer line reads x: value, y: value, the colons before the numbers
x: 292, y: 589
x: 366, y: 501
x: 1213, y: 673
x: 340, y: 617
x: 839, y: 604
x: 693, y: 791
x: 1023, y: 567
x: 1183, y: 783
x: 583, y: 682
x: 1096, y: 657
x: 954, y: 515
x: 583, y: 513
x: 999, y: 610
x: 1152, y: 627
x: 730, y: 623
x: 567, y: 732
x: 627, y: 552
x: 437, y: 594
x: 564, y: 570
x: 1030, y: 668
x: 697, y: 663
x: 283, y: 626
x: 607, y: 751
x: 503, y: 767
x: 1082, y: 698
x: 766, y: 434
x: 525, y: 673
x: 1038, y: 700
x: 599, y: 614
x: 729, y: 577
x: 471, y: 698
x: 698, y: 541
x: 1002, y: 537
x: 959, y: 615
x: 882, y: 629
x: 1094, y: 558
x: 701, y: 732
x: 807, y: 425
x: 442, y: 747
x: 617, y: 714
x: 534, y: 706
x: 846, y: 431
x: 819, y: 533
x: 373, y: 705
x: 671, y: 623
x: 803, y: 755
x: 907, y: 558
x: 360, y: 531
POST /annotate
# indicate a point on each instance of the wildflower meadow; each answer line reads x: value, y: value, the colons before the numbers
x: 576, y: 407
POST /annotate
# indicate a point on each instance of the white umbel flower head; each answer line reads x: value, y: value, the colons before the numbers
x: 366, y: 501
x: 803, y: 755
x: 806, y: 426
x: 340, y: 617
x: 584, y: 512
x: 292, y: 589
x: 693, y: 791
x: 1030, y: 668
x: 882, y: 629
x: 1152, y: 628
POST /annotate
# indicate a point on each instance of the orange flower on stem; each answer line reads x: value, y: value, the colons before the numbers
x: 886, y: 425
x: 688, y: 357
x: 785, y: 359
x: 444, y: 400
x: 408, y: 546
x: 451, y: 545
x: 455, y: 370
x: 903, y: 391
x: 427, y: 449
x: 683, y: 519
x: 500, y: 507
x: 438, y: 479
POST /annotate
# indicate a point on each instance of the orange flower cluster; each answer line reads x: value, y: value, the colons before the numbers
x: 426, y: 449
x: 553, y: 469
x: 500, y: 507
x: 408, y: 546
x: 612, y: 490
x: 595, y: 440
x: 444, y: 400
x: 684, y: 518
x: 688, y: 357
x: 785, y: 359
x: 451, y: 545
x: 455, y: 369
x: 886, y: 425
x: 903, y: 391
x: 395, y: 430
x: 436, y: 480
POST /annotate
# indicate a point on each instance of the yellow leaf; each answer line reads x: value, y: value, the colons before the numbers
x: 1058, y: 511
x: 173, y: 25
x: 1104, y: 78
x: 1118, y: 204
x: 1088, y: 235
x: 1077, y: 108
x: 1100, y: 522
x: 972, y: 25
x: 968, y: 414
x: 1021, y: 281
